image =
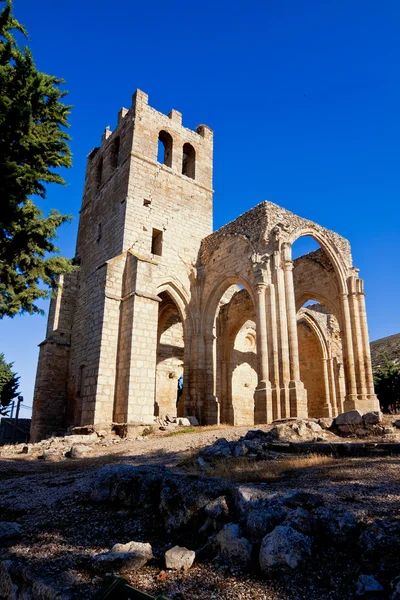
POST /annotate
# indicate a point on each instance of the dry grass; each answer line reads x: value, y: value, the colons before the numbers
x: 241, y: 470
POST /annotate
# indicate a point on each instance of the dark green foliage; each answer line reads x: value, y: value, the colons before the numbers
x: 33, y: 143
x: 387, y: 386
x: 8, y: 385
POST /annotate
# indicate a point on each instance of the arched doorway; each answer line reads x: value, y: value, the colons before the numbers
x: 231, y: 354
x: 317, y: 289
x: 170, y: 358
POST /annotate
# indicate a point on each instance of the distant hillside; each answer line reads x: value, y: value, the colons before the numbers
x: 387, y: 348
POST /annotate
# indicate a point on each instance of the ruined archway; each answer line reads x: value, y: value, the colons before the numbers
x: 170, y: 358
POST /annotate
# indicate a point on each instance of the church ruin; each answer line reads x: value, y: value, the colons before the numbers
x: 166, y: 316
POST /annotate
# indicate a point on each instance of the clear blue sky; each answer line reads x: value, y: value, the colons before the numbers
x: 303, y: 97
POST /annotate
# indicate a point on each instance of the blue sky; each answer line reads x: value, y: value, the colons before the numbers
x: 303, y: 97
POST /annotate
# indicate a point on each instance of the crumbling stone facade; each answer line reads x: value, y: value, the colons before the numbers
x: 158, y: 296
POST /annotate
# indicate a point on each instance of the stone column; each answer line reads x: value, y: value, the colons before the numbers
x: 298, y: 395
x: 272, y: 335
x: 262, y: 395
x: 348, y: 356
x: 283, y: 341
x: 366, y: 347
x: 336, y: 408
x: 211, y: 410
x: 327, y: 408
x: 357, y: 339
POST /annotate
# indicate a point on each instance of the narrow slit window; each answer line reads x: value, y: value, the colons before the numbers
x: 164, y: 149
x: 156, y: 242
x: 98, y: 235
x: 99, y: 173
x: 114, y: 156
x: 189, y: 161
x: 81, y: 381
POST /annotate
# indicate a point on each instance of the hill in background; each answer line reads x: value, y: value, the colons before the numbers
x: 387, y: 348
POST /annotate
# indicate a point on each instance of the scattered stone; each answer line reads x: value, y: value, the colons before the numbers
x: 284, y: 548
x: 240, y: 449
x: 396, y: 423
x: 217, y: 508
x: 326, y: 422
x: 169, y: 418
x: 183, y: 422
x: 193, y: 421
x: 352, y: 417
x: 133, y: 555
x: 80, y: 451
x: 9, y: 530
x: 302, y: 521
x: 179, y: 558
x: 372, y: 418
x: 367, y: 584
x: 220, y: 448
x: 248, y: 497
x: 303, y: 499
x: 262, y: 521
x: 232, y: 547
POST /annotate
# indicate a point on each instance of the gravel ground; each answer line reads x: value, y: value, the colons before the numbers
x: 63, y: 530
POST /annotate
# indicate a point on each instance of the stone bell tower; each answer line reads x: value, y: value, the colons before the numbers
x: 147, y: 204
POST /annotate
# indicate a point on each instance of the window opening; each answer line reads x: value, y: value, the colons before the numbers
x: 114, y: 156
x: 164, y: 148
x: 189, y: 161
x: 156, y: 242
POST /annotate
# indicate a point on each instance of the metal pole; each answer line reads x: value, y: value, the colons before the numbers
x: 12, y: 409
x: 20, y: 399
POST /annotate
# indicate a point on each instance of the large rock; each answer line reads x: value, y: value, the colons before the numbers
x: 183, y: 422
x: 308, y: 500
x: 300, y: 431
x: 284, y: 548
x: 179, y: 558
x: 233, y: 548
x: 217, y: 508
x: 325, y: 422
x: 9, y: 530
x: 340, y: 528
x: 80, y: 451
x: 380, y: 543
x: 219, y: 449
x: 128, y: 485
x: 352, y: 417
x: 396, y: 423
x: 182, y: 499
x: 262, y: 521
x: 302, y: 521
x: 367, y: 584
x: 372, y: 418
x: 133, y: 555
x: 247, y: 497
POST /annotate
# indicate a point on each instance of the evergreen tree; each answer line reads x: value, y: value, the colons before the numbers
x: 8, y: 385
x: 387, y: 386
x: 33, y: 145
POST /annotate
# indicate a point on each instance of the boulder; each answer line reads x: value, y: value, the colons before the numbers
x: 395, y: 587
x: 232, y: 547
x: 193, y: 421
x: 179, y: 558
x: 300, y: 431
x: 217, y: 508
x: 351, y: 417
x: 338, y: 527
x: 219, y: 449
x: 367, y: 584
x: 133, y: 555
x: 284, y: 548
x: 315, y: 427
x: 325, y: 422
x: 308, y: 500
x: 262, y: 521
x: 302, y: 521
x: 247, y: 497
x: 372, y: 418
x: 80, y: 451
x: 240, y: 449
x: 183, y: 422
x: 396, y: 423
x: 9, y: 530
x: 380, y: 543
